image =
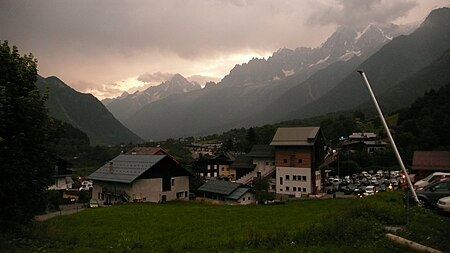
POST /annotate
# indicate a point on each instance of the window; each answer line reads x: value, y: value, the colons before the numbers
x: 300, y: 160
x: 209, y: 174
x: 166, y: 186
x: 173, y: 181
x: 284, y: 160
x: 267, y: 163
x: 303, y: 189
x: 215, y: 174
x: 201, y: 174
x: 243, y: 199
x: 281, y: 190
x: 294, y: 189
x: 223, y: 169
x: 249, y: 198
x: 287, y: 188
x: 273, y: 163
x: 287, y: 177
x: 294, y: 177
x: 304, y: 178
x: 281, y: 180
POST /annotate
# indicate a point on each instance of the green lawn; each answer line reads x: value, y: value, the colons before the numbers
x: 316, y: 225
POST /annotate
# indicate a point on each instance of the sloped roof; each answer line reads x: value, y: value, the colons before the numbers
x: 125, y: 168
x: 362, y: 135
x: 243, y: 162
x: 262, y: 151
x: 146, y: 151
x: 238, y: 193
x: 431, y: 160
x: 219, y: 187
x: 295, y: 136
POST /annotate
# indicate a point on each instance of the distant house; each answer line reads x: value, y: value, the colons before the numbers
x: 363, y: 142
x: 214, y: 167
x: 147, y: 151
x: 427, y: 162
x: 219, y: 191
x: 62, y: 176
x: 263, y: 160
x: 242, y: 166
x: 299, y: 151
x: 208, y: 149
x: 140, y: 178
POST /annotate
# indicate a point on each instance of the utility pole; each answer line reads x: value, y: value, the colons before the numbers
x: 383, y: 121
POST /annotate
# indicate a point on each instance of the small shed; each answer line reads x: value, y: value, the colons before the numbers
x: 227, y: 192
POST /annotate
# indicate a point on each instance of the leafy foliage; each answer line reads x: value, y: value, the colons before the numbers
x: 26, y: 136
x: 426, y: 124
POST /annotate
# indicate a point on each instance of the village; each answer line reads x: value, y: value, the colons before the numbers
x: 295, y: 165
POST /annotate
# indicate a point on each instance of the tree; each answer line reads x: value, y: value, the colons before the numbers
x: 26, y: 154
x: 261, y: 187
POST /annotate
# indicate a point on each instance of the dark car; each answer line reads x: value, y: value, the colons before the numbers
x: 382, y: 188
x: 429, y: 195
x: 349, y: 189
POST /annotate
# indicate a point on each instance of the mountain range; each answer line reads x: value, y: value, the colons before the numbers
x: 85, y: 112
x: 266, y: 91
x: 401, y: 62
x: 128, y: 104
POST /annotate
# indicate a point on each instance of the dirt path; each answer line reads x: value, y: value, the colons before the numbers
x: 65, y: 210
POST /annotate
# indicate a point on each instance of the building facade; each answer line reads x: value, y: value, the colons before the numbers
x: 140, y: 178
x: 299, y: 151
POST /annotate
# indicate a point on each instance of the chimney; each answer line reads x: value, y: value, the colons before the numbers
x: 110, y: 167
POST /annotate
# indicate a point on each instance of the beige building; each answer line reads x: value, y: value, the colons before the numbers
x: 140, y: 178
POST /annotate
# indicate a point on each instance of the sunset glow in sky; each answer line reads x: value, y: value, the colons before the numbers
x: 105, y: 47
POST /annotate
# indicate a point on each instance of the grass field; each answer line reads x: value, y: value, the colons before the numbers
x: 319, y: 225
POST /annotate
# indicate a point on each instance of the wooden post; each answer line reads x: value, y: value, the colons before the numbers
x: 411, y: 244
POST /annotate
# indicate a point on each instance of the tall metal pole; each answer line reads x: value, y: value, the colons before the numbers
x: 397, y: 154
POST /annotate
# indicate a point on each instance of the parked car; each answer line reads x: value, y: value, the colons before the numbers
x: 430, y: 194
x: 444, y: 204
x: 370, y: 190
x: 393, y: 182
x: 349, y: 189
x: 93, y: 203
x: 430, y: 178
x: 382, y: 188
x: 360, y: 190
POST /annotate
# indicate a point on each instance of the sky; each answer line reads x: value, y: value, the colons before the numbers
x: 105, y: 47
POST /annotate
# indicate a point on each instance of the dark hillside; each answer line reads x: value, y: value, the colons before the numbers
x: 84, y: 112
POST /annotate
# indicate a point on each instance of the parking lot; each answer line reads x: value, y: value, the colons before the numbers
x: 363, y: 184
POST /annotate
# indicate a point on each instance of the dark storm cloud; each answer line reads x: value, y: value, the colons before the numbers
x: 109, y: 41
x: 357, y: 12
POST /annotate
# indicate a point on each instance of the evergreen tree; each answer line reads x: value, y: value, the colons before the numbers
x: 25, y: 150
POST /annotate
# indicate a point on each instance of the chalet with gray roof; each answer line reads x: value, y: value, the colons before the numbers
x: 140, y: 178
x: 220, y: 191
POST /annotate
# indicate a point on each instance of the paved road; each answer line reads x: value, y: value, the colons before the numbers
x: 65, y: 210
